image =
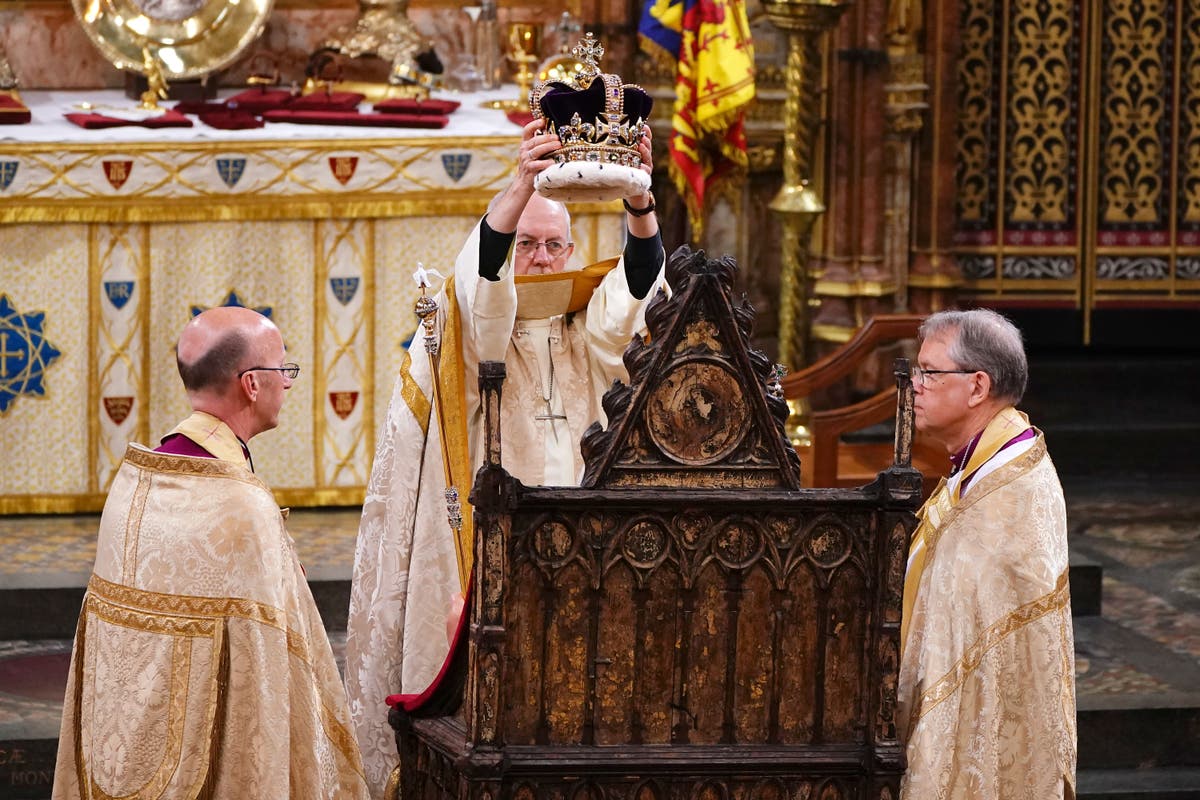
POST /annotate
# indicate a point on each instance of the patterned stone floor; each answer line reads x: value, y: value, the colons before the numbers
x: 1147, y: 639
x: 1145, y: 647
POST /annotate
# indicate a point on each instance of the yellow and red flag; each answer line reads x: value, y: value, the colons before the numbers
x: 708, y: 43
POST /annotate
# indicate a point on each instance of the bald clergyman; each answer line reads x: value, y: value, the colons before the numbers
x: 200, y: 666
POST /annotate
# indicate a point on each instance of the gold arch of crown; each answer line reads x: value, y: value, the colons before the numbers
x: 608, y: 139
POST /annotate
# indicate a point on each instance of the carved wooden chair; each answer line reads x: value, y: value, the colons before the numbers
x: 830, y: 461
x: 688, y: 623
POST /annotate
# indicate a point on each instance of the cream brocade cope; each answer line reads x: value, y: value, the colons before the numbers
x: 405, y: 567
x: 987, y: 674
x: 200, y: 667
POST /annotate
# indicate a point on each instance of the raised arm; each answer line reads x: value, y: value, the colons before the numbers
x: 644, y: 255
x: 640, y: 217
x: 532, y: 158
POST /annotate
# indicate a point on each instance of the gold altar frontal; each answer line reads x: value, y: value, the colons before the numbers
x: 111, y: 240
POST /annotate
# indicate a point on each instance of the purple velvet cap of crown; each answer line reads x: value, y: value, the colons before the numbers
x: 560, y: 102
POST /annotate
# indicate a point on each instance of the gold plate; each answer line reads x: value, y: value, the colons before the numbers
x: 190, y: 38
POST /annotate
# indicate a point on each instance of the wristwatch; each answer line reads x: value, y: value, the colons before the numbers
x: 639, y: 212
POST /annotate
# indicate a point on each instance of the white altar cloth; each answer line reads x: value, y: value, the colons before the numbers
x: 49, y: 124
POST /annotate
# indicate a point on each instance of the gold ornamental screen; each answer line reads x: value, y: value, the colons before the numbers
x: 1079, y: 153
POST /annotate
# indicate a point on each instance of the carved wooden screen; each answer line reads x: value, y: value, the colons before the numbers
x: 652, y: 624
x: 1078, y: 143
x: 688, y: 623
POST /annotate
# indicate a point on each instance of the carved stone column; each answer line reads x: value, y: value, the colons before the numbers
x: 903, y: 112
x: 861, y: 247
x: 798, y: 201
x: 934, y: 273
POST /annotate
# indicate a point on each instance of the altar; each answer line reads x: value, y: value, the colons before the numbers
x: 111, y: 239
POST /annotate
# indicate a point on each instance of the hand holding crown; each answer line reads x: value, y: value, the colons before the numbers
x: 537, y: 147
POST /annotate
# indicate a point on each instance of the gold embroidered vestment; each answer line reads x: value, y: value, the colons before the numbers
x: 201, y: 668
x: 987, y: 683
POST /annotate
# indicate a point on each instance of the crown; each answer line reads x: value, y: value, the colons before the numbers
x: 599, y: 121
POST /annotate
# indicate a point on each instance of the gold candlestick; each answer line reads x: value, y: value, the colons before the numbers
x: 156, y: 84
x: 522, y: 50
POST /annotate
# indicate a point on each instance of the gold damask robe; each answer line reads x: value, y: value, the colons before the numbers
x: 200, y: 667
x: 406, y: 568
x: 987, y: 673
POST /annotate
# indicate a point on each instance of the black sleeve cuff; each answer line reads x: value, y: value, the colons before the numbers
x: 493, y: 250
x: 643, y: 260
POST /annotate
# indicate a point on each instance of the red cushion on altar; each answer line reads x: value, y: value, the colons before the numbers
x: 259, y: 100
x: 230, y: 119
x: 354, y: 118
x: 408, y: 105
x: 412, y: 702
x: 13, y: 111
x: 198, y: 107
x: 171, y: 119
x: 521, y: 118
x: 327, y: 101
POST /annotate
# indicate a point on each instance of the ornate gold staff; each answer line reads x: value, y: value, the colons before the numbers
x: 426, y: 310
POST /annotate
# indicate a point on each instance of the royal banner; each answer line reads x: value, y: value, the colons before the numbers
x: 707, y: 43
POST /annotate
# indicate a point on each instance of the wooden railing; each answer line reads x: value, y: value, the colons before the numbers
x: 830, y: 462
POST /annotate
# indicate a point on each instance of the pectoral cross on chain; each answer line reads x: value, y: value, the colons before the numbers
x: 550, y: 417
x: 548, y: 398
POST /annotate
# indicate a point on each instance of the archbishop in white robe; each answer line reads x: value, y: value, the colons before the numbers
x: 406, y: 571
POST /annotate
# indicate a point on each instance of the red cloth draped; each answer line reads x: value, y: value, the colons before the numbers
x: 96, y: 121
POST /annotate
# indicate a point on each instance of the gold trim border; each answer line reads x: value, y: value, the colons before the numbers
x: 369, y: 440
x: 94, y: 273
x: 181, y: 666
x: 241, y: 209
x: 167, y: 608
x: 320, y: 231
x: 832, y: 333
x: 934, y: 281
x: 1057, y: 599
x: 418, y: 404
x: 855, y: 288
x: 205, y: 209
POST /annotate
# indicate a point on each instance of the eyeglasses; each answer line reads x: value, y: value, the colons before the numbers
x: 290, y: 369
x: 554, y: 248
x: 921, y: 376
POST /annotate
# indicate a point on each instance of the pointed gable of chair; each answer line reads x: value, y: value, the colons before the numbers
x: 703, y: 408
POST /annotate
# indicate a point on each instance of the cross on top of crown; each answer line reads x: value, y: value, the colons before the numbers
x: 589, y: 51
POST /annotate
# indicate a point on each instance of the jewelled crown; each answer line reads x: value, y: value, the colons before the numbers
x: 599, y: 121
